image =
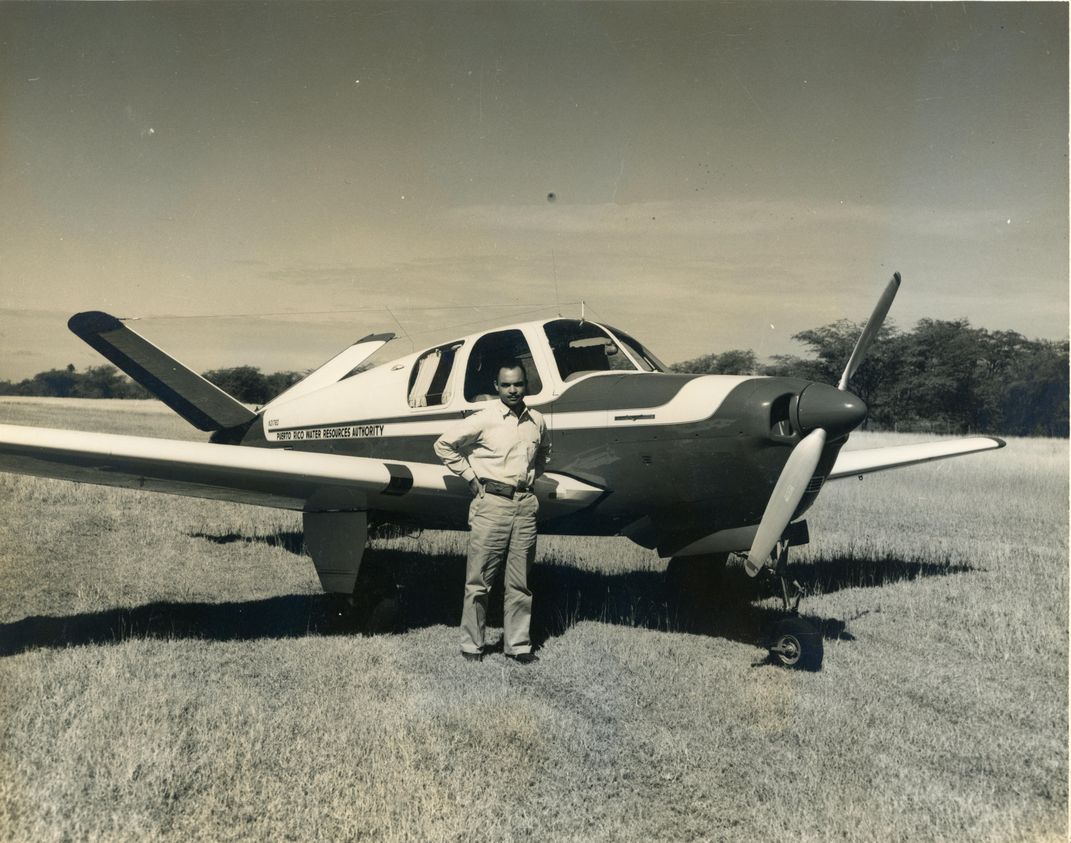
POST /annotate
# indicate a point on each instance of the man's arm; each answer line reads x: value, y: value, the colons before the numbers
x: 450, y: 447
x: 542, y: 456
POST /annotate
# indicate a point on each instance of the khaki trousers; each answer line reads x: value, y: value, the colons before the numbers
x: 500, y: 528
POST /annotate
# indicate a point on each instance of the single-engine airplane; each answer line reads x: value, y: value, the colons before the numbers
x: 694, y: 466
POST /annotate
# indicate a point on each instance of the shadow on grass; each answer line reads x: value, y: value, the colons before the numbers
x: 291, y: 616
x: 291, y: 540
x: 825, y: 576
x: 428, y: 591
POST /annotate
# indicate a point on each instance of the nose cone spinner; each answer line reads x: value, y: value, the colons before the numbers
x: 835, y: 410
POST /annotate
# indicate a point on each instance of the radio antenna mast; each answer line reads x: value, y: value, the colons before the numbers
x: 557, y: 301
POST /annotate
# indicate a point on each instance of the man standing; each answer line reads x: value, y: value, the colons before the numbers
x: 500, y: 451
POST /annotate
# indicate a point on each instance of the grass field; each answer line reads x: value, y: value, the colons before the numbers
x: 170, y: 670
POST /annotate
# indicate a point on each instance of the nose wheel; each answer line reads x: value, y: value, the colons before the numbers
x: 796, y: 644
x: 793, y: 642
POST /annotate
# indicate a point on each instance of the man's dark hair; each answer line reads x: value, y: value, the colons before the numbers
x: 511, y: 363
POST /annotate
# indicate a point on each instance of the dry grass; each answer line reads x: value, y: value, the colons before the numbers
x: 169, y: 670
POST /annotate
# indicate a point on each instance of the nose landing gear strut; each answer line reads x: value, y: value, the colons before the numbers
x: 792, y: 642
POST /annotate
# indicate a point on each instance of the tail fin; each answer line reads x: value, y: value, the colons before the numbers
x: 202, y: 404
x: 341, y: 366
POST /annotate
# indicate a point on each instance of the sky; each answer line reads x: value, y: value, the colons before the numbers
x: 264, y: 184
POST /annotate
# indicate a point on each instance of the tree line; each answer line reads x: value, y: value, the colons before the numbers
x: 942, y: 376
x: 246, y: 383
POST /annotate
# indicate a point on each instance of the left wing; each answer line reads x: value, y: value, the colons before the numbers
x: 856, y: 463
x: 264, y: 476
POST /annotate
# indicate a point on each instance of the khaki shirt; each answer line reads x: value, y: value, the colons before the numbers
x: 495, y: 444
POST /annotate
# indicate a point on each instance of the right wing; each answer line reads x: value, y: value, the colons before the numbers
x: 867, y: 460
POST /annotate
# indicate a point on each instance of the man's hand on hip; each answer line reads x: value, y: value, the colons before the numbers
x: 476, y: 488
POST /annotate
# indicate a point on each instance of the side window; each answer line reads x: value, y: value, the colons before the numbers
x: 433, y: 377
x: 488, y: 353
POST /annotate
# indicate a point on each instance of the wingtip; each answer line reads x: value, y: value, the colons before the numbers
x: 92, y: 322
x: 387, y: 337
x: 1000, y: 442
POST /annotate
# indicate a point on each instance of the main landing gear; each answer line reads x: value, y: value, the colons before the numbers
x: 377, y: 597
x: 374, y: 607
x: 792, y: 642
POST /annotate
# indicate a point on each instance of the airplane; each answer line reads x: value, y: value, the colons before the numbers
x: 696, y: 467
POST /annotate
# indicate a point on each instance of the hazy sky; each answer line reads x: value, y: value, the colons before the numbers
x: 725, y: 174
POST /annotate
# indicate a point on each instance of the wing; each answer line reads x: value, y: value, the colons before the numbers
x: 855, y: 463
x: 263, y: 476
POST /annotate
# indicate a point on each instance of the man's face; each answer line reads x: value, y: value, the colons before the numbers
x: 511, y: 386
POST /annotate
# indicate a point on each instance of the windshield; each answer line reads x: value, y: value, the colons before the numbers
x: 583, y: 347
x: 643, y: 356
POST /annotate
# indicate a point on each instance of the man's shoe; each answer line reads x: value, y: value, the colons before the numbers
x: 523, y: 658
x: 472, y: 657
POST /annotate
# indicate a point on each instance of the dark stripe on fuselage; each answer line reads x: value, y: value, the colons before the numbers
x: 401, y: 479
x: 623, y: 392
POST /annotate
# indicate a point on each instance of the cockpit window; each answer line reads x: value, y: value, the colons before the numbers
x: 489, y: 352
x: 581, y: 348
x: 432, y: 381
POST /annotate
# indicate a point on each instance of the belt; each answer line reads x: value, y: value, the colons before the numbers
x: 503, y: 490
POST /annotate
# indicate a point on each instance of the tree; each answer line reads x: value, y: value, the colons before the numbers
x: 246, y: 383
x: 99, y: 382
x: 832, y: 346
x: 278, y: 382
x: 1034, y: 401
x: 792, y: 366
x: 94, y: 382
x: 249, y: 384
x: 55, y: 382
x: 954, y: 374
x: 734, y: 362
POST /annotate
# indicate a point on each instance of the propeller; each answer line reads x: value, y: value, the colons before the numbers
x: 870, y: 330
x: 821, y: 409
x: 786, y: 496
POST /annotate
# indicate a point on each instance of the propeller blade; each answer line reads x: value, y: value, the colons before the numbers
x: 787, y: 494
x: 873, y: 325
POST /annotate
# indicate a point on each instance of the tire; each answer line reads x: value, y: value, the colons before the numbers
x: 383, y: 617
x: 377, y: 596
x: 797, y: 645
